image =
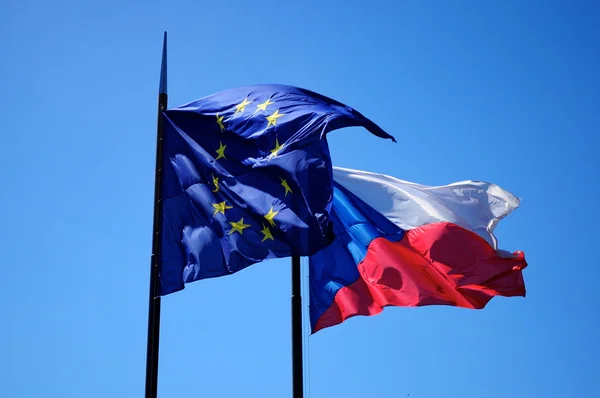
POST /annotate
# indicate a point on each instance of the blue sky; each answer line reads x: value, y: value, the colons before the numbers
x: 505, y: 92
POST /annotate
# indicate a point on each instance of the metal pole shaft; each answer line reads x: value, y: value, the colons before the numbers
x: 297, y: 371
x: 154, y: 298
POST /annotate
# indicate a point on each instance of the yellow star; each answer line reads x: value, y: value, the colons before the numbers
x: 267, y: 234
x: 220, y: 122
x: 216, y: 182
x: 221, y: 151
x: 271, y: 215
x: 286, y: 186
x: 263, y: 106
x: 238, y: 226
x: 221, y: 207
x: 277, y: 148
x: 242, y: 105
x: 273, y: 118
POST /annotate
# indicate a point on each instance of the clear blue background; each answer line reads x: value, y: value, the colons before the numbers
x: 502, y: 91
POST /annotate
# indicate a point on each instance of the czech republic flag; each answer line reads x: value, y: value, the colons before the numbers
x: 404, y: 244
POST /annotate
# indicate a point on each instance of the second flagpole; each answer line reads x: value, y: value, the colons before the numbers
x: 297, y: 368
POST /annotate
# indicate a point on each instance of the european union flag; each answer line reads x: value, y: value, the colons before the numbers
x: 247, y: 176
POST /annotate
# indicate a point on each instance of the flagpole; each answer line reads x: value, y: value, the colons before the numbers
x: 297, y: 371
x: 154, y: 298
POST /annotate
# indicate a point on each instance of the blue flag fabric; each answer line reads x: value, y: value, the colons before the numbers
x: 247, y: 176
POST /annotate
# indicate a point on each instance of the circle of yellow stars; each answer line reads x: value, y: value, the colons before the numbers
x: 223, y: 207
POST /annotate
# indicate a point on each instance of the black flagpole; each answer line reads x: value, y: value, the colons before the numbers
x: 154, y: 298
x: 297, y: 372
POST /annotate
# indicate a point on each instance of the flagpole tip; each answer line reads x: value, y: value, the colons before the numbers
x: 162, y: 88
